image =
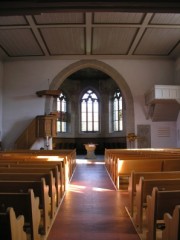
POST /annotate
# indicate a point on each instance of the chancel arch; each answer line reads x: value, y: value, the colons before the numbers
x: 58, y: 81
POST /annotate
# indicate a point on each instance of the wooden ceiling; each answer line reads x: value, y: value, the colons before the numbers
x: 48, y: 30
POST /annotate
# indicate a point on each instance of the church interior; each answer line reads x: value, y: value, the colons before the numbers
x: 89, y: 98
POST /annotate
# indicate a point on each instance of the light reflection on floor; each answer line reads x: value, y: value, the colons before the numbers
x: 81, y: 159
x: 81, y: 189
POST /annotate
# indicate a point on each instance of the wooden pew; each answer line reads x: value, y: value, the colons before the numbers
x: 172, y: 225
x: 11, y: 227
x: 134, y: 179
x: 67, y: 160
x: 144, y: 188
x: 40, y: 190
x: 23, y: 168
x: 68, y: 155
x: 171, y: 165
x: 49, y: 179
x: 39, y: 163
x: 158, y: 203
x: 25, y: 204
x: 115, y: 158
x: 56, y: 166
x: 124, y: 168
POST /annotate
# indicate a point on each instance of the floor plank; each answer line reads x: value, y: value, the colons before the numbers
x: 92, y: 209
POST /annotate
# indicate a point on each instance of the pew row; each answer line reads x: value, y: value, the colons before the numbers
x: 144, y: 188
x: 31, y: 166
x: 40, y: 190
x: 135, y: 177
x: 12, y: 227
x: 41, y: 170
x: 39, y: 163
x: 69, y: 157
x: 124, y: 168
x: 172, y: 225
x: 120, y: 162
x: 66, y: 157
x: 49, y: 179
x: 25, y: 204
x: 158, y: 203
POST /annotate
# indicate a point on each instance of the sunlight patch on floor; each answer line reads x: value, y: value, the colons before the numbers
x: 96, y: 189
x: 86, y: 161
x: 76, y: 188
x: 81, y: 189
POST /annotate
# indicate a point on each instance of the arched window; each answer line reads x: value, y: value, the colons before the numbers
x: 117, y: 111
x: 62, y: 113
x: 89, y: 112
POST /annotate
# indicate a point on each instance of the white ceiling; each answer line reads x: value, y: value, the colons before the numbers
x: 90, y: 35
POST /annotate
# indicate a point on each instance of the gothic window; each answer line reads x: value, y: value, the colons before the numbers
x: 62, y: 113
x: 117, y: 111
x: 89, y: 112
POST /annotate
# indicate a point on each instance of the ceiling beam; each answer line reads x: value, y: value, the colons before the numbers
x: 37, y: 34
x: 37, y: 7
x: 140, y: 32
x: 88, y: 33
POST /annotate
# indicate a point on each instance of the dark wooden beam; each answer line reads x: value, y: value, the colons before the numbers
x: 37, y: 7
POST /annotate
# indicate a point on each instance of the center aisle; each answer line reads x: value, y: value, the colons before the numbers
x: 92, y: 209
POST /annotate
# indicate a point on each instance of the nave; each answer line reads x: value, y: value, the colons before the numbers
x: 92, y: 209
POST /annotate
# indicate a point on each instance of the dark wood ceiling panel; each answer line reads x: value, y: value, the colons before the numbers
x: 118, y: 17
x: 60, y: 18
x: 19, y: 42
x: 166, y: 18
x: 112, y: 40
x: 101, y: 33
x: 158, y: 41
x: 64, y: 40
x: 12, y: 20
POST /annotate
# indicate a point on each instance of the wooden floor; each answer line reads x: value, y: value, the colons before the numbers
x: 92, y: 209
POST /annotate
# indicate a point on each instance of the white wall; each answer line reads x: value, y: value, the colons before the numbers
x: 1, y: 92
x: 141, y: 76
x: 177, y: 81
x: 23, y: 78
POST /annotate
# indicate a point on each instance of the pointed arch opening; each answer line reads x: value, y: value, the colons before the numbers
x: 89, y: 111
x: 128, y: 106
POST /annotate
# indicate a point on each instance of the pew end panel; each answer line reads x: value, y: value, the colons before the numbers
x: 158, y: 203
x: 11, y: 227
x: 144, y: 188
x: 172, y: 225
x: 25, y: 204
x: 134, y: 180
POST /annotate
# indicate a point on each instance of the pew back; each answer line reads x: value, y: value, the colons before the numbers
x: 134, y: 179
x: 158, y: 203
x: 25, y: 204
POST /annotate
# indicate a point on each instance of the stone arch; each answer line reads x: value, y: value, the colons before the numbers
x: 114, y: 74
